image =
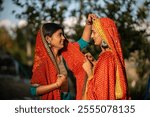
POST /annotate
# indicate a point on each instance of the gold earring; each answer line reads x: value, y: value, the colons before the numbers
x: 49, y: 44
x: 104, y: 44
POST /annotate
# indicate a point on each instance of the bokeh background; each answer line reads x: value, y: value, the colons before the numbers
x: 20, y: 21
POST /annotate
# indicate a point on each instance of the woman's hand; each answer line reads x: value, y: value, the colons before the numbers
x: 87, y: 66
x: 61, y: 78
x: 90, y: 57
x: 90, y: 18
x: 88, y: 27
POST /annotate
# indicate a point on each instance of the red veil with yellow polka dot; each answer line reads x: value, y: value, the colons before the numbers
x: 108, y: 79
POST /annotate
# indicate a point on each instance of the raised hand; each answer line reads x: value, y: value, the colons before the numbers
x: 90, y: 18
x: 87, y: 66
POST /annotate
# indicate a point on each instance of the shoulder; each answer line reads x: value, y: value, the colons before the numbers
x: 72, y: 45
x: 39, y: 64
x: 105, y: 61
x: 76, y: 44
x: 107, y: 55
x: 106, y: 58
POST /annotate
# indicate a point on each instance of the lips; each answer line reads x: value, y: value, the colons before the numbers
x: 62, y: 43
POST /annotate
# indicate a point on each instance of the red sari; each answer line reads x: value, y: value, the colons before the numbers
x: 45, y: 71
x: 109, y: 80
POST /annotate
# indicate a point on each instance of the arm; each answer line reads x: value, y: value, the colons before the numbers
x: 87, y: 30
x: 91, y: 59
x: 88, y: 68
x: 84, y: 40
x: 43, y: 89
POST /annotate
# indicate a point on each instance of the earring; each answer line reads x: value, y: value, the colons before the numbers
x: 49, y: 44
x: 48, y: 41
x: 104, y: 44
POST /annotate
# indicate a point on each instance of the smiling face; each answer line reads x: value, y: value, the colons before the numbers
x: 57, y: 39
x: 96, y: 37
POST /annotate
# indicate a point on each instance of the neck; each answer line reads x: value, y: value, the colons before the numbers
x: 55, y: 51
x: 56, y: 55
x: 103, y: 50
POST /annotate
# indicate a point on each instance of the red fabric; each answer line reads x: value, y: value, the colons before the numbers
x: 109, y: 72
x: 74, y: 59
x: 44, y: 71
x: 101, y: 86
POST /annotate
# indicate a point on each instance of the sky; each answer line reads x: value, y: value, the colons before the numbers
x: 8, y: 19
x: 6, y: 13
x: 6, y: 16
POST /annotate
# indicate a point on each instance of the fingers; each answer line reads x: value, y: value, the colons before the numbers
x: 59, y: 75
x: 89, y: 56
x: 87, y: 66
x: 62, y: 76
x: 92, y: 17
x: 87, y: 53
x: 60, y: 79
x: 86, y: 59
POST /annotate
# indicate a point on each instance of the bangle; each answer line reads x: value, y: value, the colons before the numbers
x: 88, y: 22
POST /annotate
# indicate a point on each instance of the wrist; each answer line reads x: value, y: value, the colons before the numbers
x: 57, y: 85
x: 90, y: 74
x: 90, y: 77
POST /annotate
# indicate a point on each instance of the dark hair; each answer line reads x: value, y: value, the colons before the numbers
x: 50, y: 28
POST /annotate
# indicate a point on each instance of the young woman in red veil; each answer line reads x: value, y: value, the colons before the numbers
x: 107, y: 79
x: 57, y: 70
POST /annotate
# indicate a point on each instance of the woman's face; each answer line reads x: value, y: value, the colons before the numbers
x: 96, y: 37
x: 57, y: 39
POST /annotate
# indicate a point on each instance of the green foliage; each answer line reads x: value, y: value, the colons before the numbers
x: 5, y: 40
x: 1, y: 3
x: 37, y: 11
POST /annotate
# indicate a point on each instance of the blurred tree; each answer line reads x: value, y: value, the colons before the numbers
x: 5, y: 40
x: 37, y: 11
x: 1, y: 3
x: 23, y: 42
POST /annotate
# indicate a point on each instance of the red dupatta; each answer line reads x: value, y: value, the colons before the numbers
x: 109, y: 80
x: 45, y: 69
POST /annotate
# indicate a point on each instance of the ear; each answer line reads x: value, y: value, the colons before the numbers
x: 48, y: 39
